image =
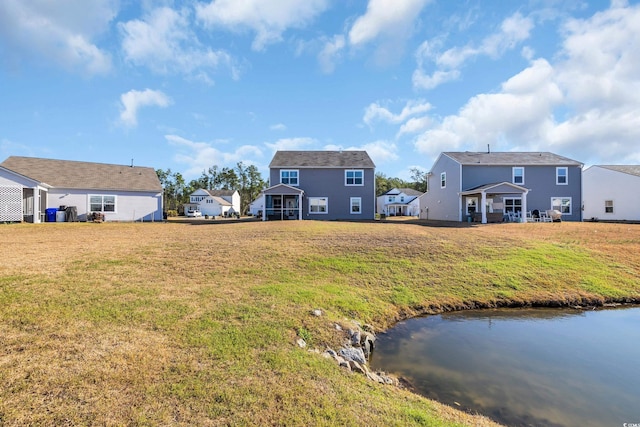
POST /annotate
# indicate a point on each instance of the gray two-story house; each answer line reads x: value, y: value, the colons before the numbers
x: 321, y: 185
x: 486, y: 186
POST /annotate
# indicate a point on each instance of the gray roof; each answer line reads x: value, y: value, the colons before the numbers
x: 220, y: 193
x: 321, y: 159
x: 221, y: 201
x: 629, y: 169
x: 407, y: 191
x: 84, y: 175
x: 541, y: 158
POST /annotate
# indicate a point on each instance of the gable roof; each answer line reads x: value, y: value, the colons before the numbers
x: 534, y: 158
x: 628, y: 169
x: 84, y: 175
x: 221, y: 201
x: 407, y: 191
x: 321, y: 159
x: 220, y: 193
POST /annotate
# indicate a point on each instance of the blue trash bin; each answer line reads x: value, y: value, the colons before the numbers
x: 51, y: 214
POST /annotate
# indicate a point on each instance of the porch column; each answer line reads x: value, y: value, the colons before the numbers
x: 300, y: 207
x: 483, y: 207
x: 36, y: 205
x: 523, y: 214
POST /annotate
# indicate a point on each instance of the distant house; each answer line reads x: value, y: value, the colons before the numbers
x: 322, y: 185
x: 214, y: 202
x: 257, y: 206
x: 29, y: 186
x: 487, y: 186
x: 399, y: 202
x: 606, y: 193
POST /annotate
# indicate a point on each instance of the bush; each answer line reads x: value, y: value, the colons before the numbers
x: 172, y: 212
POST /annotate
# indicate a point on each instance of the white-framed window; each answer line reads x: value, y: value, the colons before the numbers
x: 518, y: 175
x: 354, y: 177
x: 289, y: 177
x: 355, y: 204
x: 443, y: 180
x: 401, y: 199
x: 608, y: 206
x: 562, y: 204
x: 472, y: 205
x: 562, y: 175
x: 392, y: 199
x: 102, y: 203
x: 318, y: 205
x: 512, y: 204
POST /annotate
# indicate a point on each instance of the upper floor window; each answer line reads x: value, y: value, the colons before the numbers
x: 443, y: 180
x: 354, y: 177
x: 518, y: 175
x: 562, y: 176
x: 289, y: 177
x: 392, y: 199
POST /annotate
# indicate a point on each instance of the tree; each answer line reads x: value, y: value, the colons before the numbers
x: 420, y: 179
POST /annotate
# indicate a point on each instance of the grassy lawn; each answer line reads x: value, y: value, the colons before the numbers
x: 179, y: 324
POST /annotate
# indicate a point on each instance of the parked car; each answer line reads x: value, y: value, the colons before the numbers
x: 193, y: 213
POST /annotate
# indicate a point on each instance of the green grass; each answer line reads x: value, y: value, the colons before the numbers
x: 172, y: 324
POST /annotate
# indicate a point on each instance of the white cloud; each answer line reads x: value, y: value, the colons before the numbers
x: 291, y: 144
x: 380, y: 151
x: 278, y: 127
x: 330, y: 53
x: 513, y: 30
x: 60, y: 32
x: 133, y: 100
x: 414, y: 125
x: 269, y: 19
x: 376, y: 112
x: 164, y: 42
x: 385, y: 18
x: 200, y: 156
x: 584, y: 105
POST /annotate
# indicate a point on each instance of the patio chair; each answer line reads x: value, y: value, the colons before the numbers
x: 544, y: 217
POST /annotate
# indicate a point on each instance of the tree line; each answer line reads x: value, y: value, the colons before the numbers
x: 247, y: 180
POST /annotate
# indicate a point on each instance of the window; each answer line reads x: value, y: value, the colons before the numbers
x: 443, y: 180
x: 102, y: 203
x: 356, y: 205
x: 289, y: 177
x: 562, y: 176
x: 401, y: 199
x: 518, y: 175
x: 513, y: 204
x: 354, y: 177
x: 318, y: 205
x: 562, y: 204
x: 608, y: 206
x: 392, y: 199
x: 472, y: 205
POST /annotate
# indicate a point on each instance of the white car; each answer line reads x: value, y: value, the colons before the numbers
x: 193, y: 213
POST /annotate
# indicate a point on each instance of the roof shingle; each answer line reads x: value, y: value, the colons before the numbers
x: 540, y: 158
x: 84, y: 175
x: 321, y: 159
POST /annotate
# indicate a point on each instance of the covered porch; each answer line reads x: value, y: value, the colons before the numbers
x: 282, y: 202
x: 495, y: 202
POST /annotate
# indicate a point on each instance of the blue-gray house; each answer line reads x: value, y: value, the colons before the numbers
x: 486, y: 186
x: 321, y: 185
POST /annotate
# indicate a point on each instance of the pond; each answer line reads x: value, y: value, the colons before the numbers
x: 521, y: 367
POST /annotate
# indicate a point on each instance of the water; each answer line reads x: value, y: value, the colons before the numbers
x: 538, y: 367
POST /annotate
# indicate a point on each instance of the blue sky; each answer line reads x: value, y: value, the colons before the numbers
x: 187, y: 85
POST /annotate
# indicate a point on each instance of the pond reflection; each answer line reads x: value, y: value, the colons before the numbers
x: 540, y: 367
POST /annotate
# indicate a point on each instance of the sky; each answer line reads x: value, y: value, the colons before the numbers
x: 186, y: 85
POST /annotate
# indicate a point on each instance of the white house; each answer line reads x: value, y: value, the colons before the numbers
x: 399, y: 202
x: 607, y: 195
x: 257, y: 205
x: 214, y: 202
x: 30, y: 186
